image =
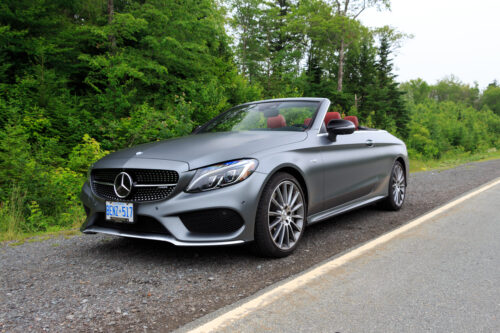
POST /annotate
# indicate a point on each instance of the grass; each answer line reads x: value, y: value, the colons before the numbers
x: 19, y: 238
x: 453, y: 160
x: 11, y: 217
x: 12, y: 220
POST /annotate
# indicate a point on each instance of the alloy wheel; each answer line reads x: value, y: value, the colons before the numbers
x: 286, y: 215
x: 398, y: 185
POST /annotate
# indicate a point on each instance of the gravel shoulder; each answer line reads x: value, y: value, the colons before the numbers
x: 102, y: 283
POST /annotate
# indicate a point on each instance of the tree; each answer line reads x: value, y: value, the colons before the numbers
x: 417, y: 91
x: 249, y: 50
x: 361, y: 73
x: 452, y: 89
x: 349, y: 11
x: 270, y: 46
x: 382, y: 99
x: 491, y: 98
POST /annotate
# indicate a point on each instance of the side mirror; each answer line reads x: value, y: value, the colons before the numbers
x: 339, y: 127
x: 196, y: 129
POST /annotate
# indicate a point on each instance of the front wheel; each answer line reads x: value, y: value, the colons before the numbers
x: 281, y: 216
x: 397, y: 188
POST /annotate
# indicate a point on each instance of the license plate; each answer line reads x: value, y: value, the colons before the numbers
x: 120, y: 211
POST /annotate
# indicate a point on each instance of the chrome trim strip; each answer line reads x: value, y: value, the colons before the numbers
x: 154, y: 185
x: 158, y: 237
x: 336, y: 211
x: 103, y: 183
x: 136, y: 185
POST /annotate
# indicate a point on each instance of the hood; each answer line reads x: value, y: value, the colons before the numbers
x: 209, y: 148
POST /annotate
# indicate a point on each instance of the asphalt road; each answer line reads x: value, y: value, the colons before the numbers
x: 441, y: 276
x: 102, y: 283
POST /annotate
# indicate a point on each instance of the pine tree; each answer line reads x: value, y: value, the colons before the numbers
x: 388, y: 99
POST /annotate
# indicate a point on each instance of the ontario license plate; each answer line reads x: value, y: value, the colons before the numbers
x: 120, y: 211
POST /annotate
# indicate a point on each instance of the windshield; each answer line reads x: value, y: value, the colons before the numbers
x: 268, y: 116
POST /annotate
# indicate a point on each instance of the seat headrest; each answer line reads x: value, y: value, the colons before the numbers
x: 276, y: 122
x: 307, y: 121
x: 354, y: 119
x: 331, y: 115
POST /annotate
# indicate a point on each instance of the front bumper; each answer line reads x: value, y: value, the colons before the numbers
x: 241, y: 198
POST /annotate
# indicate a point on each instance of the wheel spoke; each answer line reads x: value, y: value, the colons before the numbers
x: 400, y: 175
x: 273, y: 200
x: 275, y: 223
x: 294, y: 225
x: 287, y: 236
x: 296, y: 207
x: 285, y: 195
x: 290, y: 195
x: 280, y: 197
x: 274, y: 213
x: 282, y: 235
x: 292, y: 202
x: 292, y: 233
x: 277, y: 232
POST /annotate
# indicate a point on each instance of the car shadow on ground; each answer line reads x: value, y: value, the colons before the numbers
x: 343, y: 229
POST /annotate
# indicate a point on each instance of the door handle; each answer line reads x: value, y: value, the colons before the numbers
x: 369, y: 143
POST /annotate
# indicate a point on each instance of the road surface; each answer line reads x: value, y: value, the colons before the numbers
x: 442, y: 275
x: 103, y: 283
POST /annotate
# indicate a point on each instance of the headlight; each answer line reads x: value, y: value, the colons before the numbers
x: 220, y: 175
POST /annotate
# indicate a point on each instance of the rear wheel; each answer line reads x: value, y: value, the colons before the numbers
x: 281, y: 216
x: 397, y: 188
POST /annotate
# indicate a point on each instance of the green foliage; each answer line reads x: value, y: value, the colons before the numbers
x: 437, y: 128
x: 76, y: 83
x: 74, y: 86
x: 491, y: 98
x: 85, y: 153
x: 11, y: 213
x: 451, y: 89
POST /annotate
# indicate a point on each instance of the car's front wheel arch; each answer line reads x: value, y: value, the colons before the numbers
x: 294, y: 172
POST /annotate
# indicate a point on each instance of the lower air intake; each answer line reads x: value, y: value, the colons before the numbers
x: 212, y: 221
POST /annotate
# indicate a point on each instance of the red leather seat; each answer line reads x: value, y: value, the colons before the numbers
x: 307, y: 121
x: 331, y: 115
x: 354, y: 119
x: 276, y: 122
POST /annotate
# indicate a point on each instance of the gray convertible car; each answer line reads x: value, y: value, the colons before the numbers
x: 260, y: 172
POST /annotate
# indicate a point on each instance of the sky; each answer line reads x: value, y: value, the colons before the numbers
x: 450, y: 37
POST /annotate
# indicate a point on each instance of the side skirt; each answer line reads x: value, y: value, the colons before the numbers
x: 339, y: 210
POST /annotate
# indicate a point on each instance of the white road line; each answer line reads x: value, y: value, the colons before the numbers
x: 299, y: 281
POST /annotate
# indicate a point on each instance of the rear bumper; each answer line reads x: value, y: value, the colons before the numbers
x: 241, y: 198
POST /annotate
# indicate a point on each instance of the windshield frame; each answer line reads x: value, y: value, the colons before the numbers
x: 320, y: 101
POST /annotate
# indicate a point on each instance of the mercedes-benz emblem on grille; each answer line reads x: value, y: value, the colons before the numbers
x: 123, y: 185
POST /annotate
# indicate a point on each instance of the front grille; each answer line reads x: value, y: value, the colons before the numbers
x: 212, y: 221
x: 143, y: 224
x: 149, y: 185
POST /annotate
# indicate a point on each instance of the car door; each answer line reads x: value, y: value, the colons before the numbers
x: 349, y: 166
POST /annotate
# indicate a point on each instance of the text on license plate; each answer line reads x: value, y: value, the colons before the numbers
x: 120, y: 211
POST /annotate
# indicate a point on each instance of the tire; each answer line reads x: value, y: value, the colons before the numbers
x: 281, y: 217
x: 397, y: 188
